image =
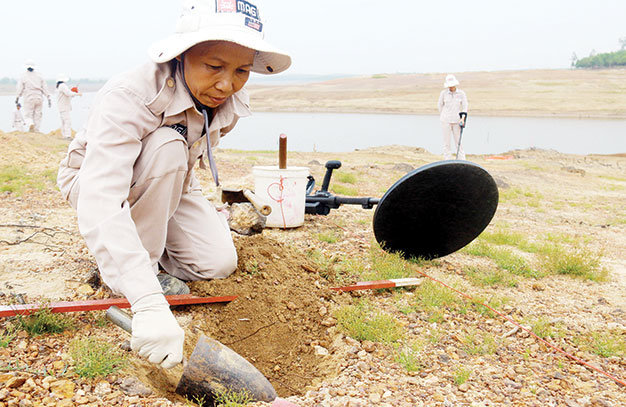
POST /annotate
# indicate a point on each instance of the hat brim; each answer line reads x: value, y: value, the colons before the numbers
x: 268, y: 60
x: 450, y: 84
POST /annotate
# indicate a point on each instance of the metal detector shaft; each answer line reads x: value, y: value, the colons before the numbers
x: 321, y: 205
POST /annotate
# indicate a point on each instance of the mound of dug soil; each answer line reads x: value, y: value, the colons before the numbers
x: 279, y: 317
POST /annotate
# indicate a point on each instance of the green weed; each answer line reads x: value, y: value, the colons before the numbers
x: 503, y: 257
x: 461, y: 375
x: 490, y: 278
x: 346, y: 177
x: 605, y: 343
x: 328, y: 237
x: 386, y: 266
x: 409, y: 356
x: 17, y: 179
x: 432, y: 296
x: 44, y: 321
x: 361, y: 321
x: 544, y: 329
x: 6, y: 337
x: 325, y: 264
x: 344, y: 190
x: 231, y: 398
x: 95, y: 357
x: 577, y: 261
x: 475, y: 343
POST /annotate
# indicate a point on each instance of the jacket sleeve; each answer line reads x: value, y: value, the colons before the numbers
x: 464, y: 105
x: 20, y: 88
x: 440, y: 103
x: 114, y: 132
x: 66, y: 91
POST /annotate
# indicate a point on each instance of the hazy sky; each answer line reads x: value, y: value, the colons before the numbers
x: 98, y: 39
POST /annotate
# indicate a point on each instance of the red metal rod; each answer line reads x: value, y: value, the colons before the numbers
x: 94, y: 305
x: 372, y: 285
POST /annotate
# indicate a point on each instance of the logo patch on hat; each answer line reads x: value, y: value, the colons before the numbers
x: 248, y: 9
x: 226, y: 6
x: 254, y: 24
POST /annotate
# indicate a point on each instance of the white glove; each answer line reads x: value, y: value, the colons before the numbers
x: 156, y: 334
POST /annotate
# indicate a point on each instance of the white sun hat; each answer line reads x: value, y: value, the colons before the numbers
x: 62, y: 78
x: 450, y: 81
x: 29, y: 64
x: 235, y: 21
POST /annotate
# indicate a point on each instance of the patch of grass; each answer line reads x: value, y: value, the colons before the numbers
x: 518, y: 196
x: 503, y: 257
x: 6, y: 337
x: 44, y: 321
x: 544, y: 329
x: 231, y: 398
x: 409, y: 356
x: 577, y: 261
x: 612, y: 178
x: 362, y: 322
x: 325, y: 264
x: 493, y: 302
x: 328, y: 237
x: 604, y: 343
x: 461, y: 375
x: 346, y: 177
x: 344, y: 190
x: 251, y: 266
x: 430, y: 295
x: 386, y: 266
x: 95, y: 357
x: 482, y: 343
x: 503, y: 237
x: 16, y: 180
x: 378, y: 76
x: 490, y: 278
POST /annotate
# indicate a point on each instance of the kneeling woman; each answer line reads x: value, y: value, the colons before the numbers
x: 129, y: 171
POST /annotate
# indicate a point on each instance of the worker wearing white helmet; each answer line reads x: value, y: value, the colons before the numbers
x: 64, y: 105
x: 452, y: 114
x: 32, y: 88
x: 129, y: 171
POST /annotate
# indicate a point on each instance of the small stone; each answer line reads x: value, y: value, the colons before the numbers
x: 320, y: 350
x: 63, y: 388
x: 329, y: 322
x: 15, y: 382
x: 368, y: 346
x: 292, y: 306
x: 464, y: 387
x: 102, y: 387
x: 134, y: 387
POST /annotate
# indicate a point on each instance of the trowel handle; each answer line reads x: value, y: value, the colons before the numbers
x: 282, y: 151
x: 257, y: 202
x: 120, y: 318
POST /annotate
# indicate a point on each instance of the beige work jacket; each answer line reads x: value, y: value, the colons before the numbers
x: 451, y: 104
x: 31, y: 84
x: 127, y: 109
x: 64, y: 98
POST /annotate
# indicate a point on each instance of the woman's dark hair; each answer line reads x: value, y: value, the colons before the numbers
x: 59, y: 82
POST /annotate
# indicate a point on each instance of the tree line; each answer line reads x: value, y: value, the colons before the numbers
x: 602, y: 60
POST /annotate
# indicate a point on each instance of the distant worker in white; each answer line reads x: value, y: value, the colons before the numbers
x: 32, y: 88
x: 64, y: 104
x: 18, y: 119
x: 452, y: 113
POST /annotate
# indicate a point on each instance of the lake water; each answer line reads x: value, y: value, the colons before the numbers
x: 340, y: 132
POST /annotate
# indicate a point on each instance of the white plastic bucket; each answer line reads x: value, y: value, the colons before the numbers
x: 285, y: 190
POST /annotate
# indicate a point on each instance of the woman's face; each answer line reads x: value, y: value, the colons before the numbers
x: 214, y: 70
